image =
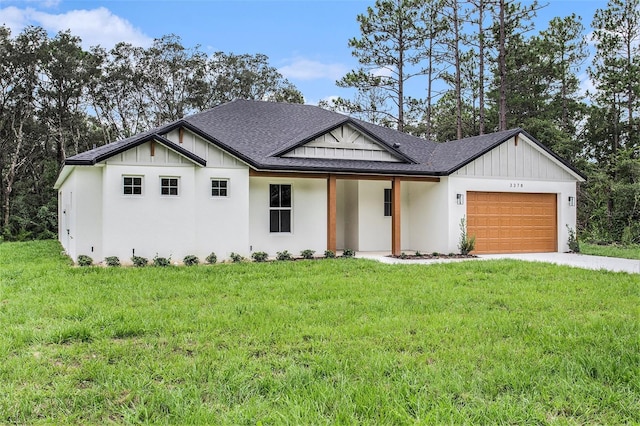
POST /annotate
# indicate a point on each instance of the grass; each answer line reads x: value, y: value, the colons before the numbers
x: 625, y: 252
x: 315, y: 342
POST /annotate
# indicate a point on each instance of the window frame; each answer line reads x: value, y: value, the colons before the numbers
x: 132, y: 186
x: 284, y: 212
x: 170, y: 187
x: 388, y: 203
x: 219, y: 188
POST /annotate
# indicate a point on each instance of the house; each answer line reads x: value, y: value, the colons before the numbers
x: 252, y: 176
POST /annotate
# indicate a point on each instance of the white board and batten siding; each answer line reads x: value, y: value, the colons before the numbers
x: 163, y: 156
x: 525, y: 160
x: 346, y: 143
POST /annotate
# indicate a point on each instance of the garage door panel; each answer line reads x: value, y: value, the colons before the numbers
x: 512, y: 222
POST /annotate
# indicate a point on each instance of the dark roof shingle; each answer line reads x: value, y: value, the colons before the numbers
x: 258, y: 132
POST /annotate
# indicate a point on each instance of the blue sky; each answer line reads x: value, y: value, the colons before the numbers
x: 305, y: 39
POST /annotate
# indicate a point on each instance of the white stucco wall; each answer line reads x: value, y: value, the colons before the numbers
x: 374, y: 228
x: 222, y: 222
x: 81, y: 216
x: 428, y: 216
x: 308, y: 221
x: 149, y: 224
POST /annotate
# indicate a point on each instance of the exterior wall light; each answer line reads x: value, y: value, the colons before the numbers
x: 572, y: 200
x: 459, y: 199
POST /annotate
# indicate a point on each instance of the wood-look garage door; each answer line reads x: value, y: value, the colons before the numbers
x: 505, y: 222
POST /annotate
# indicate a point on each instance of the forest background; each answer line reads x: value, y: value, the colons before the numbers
x: 482, y: 64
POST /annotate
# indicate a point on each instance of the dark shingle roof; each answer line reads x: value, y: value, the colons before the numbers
x: 259, y: 132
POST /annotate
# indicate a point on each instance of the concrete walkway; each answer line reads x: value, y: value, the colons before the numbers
x: 613, y: 264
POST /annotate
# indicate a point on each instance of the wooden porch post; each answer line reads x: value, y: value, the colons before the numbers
x: 395, y: 217
x: 331, y: 213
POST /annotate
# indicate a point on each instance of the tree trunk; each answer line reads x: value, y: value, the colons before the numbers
x: 458, y: 83
x: 429, y: 87
x: 481, y: 111
x: 10, y: 176
x: 502, y: 67
x: 401, y: 48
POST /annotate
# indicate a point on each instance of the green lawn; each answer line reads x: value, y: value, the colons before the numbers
x: 315, y: 342
x: 625, y: 252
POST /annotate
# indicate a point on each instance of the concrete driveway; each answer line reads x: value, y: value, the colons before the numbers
x: 613, y: 264
x: 575, y: 259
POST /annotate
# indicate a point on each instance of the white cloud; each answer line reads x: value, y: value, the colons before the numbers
x: 307, y: 69
x: 96, y: 26
x: 586, y: 84
x: 15, y: 19
x: 382, y: 72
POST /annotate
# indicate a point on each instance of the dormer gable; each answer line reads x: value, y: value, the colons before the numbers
x: 344, y: 142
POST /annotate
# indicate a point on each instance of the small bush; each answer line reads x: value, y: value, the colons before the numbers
x: 418, y: 254
x: 161, y: 261
x: 403, y: 255
x: 259, y: 256
x: 211, y: 259
x: 284, y: 255
x: 307, y: 254
x: 348, y: 253
x: 139, y: 261
x: 190, y: 260
x: 573, y: 243
x: 236, y: 258
x: 84, y: 260
x: 466, y: 244
x: 112, y: 261
x: 329, y: 254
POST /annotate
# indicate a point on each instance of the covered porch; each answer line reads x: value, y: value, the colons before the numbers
x: 372, y: 212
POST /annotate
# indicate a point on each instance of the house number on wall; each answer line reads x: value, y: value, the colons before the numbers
x: 516, y: 185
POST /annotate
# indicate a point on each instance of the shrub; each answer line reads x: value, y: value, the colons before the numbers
x: 284, y: 255
x: 466, y: 244
x: 403, y: 255
x: 236, y: 258
x: 211, y: 259
x: 112, y: 261
x: 161, y: 261
x: 573, y: 243
x: 307, y: 254
x: 190, y: 260
x: 84, y: 260
x: 418, y: 254
x: 348, y: 253
x: 329, y: 254
x: 139, y: 261
x: 259, y: 256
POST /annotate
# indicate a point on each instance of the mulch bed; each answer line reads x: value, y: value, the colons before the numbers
x: 407, y: 256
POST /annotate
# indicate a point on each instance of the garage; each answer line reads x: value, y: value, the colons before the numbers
x: 506, y: 222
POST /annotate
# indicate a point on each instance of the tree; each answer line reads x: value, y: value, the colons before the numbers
x: 62, y: 93
x: 18, y: 123
x: 390, y: 47
x: 116, y: 94
x: 563, y: 53
x: 616, y: 66
x: 611, y: 131
x: 512, y: 22
x: 229, y: 76
x: 434, y: 27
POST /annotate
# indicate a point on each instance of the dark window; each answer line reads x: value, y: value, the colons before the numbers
x: 280, y: 208
x: 132, y: 185
x: 169, y: 186
x: 219, y: 188
x: 387, y: 202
